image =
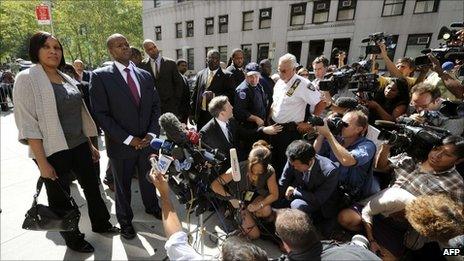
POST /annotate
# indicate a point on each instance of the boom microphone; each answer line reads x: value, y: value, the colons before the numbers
x: 174, y: 130
x: 235, y: 165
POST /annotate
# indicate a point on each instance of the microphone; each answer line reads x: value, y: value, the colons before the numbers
x: 173, y: 128
x: 383, y: 123
x: 235, y: 165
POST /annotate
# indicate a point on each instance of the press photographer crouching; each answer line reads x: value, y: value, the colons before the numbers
x: 177, y: 246
x: 437, y: 174
x: 354, y: 152
x: 427, y: 107
x: 254, y: 193
x: 308, y: 183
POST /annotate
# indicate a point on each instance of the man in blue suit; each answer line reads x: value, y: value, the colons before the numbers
x: 309, y: 183
x: 127, y: 107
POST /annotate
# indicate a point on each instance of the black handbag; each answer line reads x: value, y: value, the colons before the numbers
x: 44, y: 218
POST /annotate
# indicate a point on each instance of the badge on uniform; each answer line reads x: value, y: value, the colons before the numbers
x: 311, y: 87
x: 242, y: 95
x: 249, y: 195
x: 293, y: 88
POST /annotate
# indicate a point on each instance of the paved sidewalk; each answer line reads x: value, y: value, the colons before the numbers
x: 18, y: 179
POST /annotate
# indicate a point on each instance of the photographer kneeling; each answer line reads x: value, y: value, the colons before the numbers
x: 354, y: 152
x: 177, y: 246
x: 257, y: 188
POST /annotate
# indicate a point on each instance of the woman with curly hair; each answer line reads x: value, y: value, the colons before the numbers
x: 256, y: 190
x: 436, y: 217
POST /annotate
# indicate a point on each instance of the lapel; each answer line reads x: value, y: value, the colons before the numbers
x: 205, y: 78
x: 220, y: 133
x: 314, y: 173
x: 161, y: 67
x: 216, y: 77
x: 144, y: 91
x: 121, y: 83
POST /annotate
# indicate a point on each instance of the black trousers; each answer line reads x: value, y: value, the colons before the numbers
x: 123, y: 170
x: 279, y: 143
x: 79, y: 161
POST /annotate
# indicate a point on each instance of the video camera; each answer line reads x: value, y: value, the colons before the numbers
x: 355, y: 77
x: 415, y: 140
x: 452, y: 49
x: 188, y: 162
x: 374, y: 39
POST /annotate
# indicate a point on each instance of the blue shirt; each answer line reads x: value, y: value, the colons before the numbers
x: 363, y: 150
x: 250, y: 100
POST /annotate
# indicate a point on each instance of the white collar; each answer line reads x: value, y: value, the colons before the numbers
x: 214, y: 72
x: 121, y: 66
x: 223, y: 124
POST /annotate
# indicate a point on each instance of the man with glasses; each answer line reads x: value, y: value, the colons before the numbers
x: 353, y: 151
x: 425, y: 106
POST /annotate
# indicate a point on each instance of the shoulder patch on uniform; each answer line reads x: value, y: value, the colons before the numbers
x: 242, y: 95
x: 311, y: 87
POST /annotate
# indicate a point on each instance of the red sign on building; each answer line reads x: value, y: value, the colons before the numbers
x: 42, y: 13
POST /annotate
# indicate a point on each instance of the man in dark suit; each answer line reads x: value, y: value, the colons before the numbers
x: 309, y: 183
x: 211, y: 82
x: 184, y: 110
x: 167, y: 80
x: 236, y: 68
x: 224, y: 132
x: 127, y: 107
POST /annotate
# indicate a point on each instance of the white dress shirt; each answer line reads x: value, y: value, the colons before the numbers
x: 157, y: 62
x: 224, y: 129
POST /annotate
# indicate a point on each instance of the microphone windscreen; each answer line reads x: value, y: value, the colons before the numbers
x: 173, y: 128
x: 156, y: 143
x: 235, y: 165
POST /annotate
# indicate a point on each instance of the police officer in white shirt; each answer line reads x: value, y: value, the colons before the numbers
x: 291, y: 95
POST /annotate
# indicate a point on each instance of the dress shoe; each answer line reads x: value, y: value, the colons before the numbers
x: 157, y: 213
x: 81, y: 246
x: 110, y: 184
x: 128, y: 232
x: 109, y: 230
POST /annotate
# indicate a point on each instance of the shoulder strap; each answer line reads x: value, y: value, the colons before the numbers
x: 39, y: 188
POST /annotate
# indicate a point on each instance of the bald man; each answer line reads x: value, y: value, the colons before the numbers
x: 167, y: 79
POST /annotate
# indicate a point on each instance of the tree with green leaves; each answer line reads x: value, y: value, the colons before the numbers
x: 81, y: 26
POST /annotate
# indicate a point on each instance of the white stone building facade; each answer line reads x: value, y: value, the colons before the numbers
x: 268, y: 29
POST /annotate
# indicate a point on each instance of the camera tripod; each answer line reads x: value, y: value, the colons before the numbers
x: 202, y: 230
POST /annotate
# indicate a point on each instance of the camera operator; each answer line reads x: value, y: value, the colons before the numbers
x: 450, y: 88
x: 308, y: 183
x: 389, y: 102
x: 437, y: 174
x: 354, y: 152
x: 300, y: 240
x: 257, y: 188
x: 404, y: 68
x: 177, y: 247
x: 425, y: 105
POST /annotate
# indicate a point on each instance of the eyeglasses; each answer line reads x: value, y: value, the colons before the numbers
x: 304, y: 74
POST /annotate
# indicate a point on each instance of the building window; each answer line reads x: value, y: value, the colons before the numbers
x: 426, y: 6
x: 179, y: 54
x: 190, y: 59
x: 416, y: 43
x: 247, y: 21
x: 180, y: 1
x: 207, y: 50
x: 247, y: 53
x: 178, y: 30
x: 209, y: 26
x: 189, y: 28
x: 156, y: 3
x: 158, y: 33
x: 321, y: 11
x: 263, y: 51
x: 265, y: 16
x: 297, y: 14
x: 392, y: 7
x: 346, y: 10
x: 223, y: 24
x: 223, y: 53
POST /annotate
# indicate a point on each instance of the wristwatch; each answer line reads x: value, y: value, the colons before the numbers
x: 261, y: 205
